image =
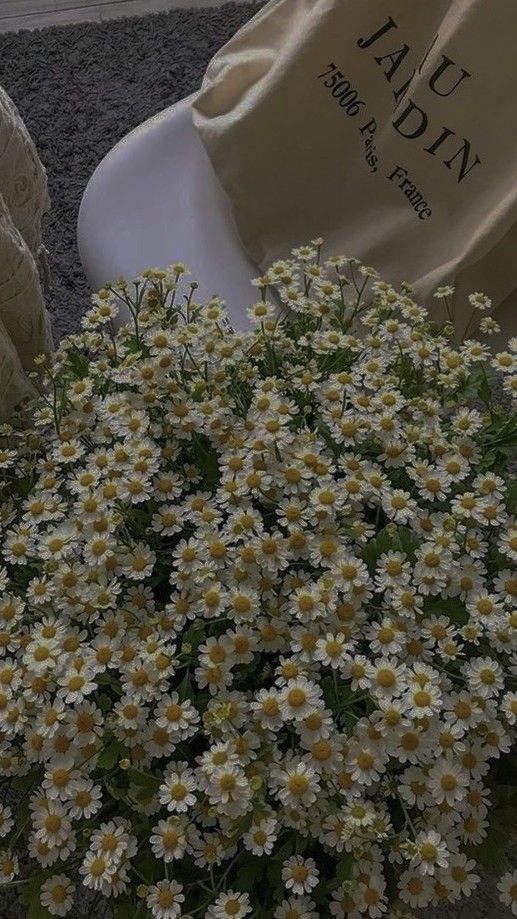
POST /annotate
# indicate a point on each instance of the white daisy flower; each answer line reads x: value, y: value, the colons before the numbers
x: 230, y: 904
x: 300, y: 875
x: 507, y: 887
x: 165, y: 899
x: 57, y: 895
x: 176, y: 791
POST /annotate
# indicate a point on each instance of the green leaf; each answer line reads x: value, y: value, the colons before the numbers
x: 23, y: 782
x: 505, y: 816
x: 78, y: 364
x: 452, y: 608
x: 488, y: 853
x: 148, y: 867
x: 142, y: 826
x: 321, y: 894
x: 407, y: 539
x: 37, y: 911
x: 194, y: 637
x: 375, y: 548
x: 506, y: 775
x: 104, y: 702
x: 285, y: 850
x: 485, y: 389
x: 142, y: 795
x: 477, y: 385
x: 345, y: 868
x: 109, y: 756
x: 508, y: 447
x: 248, y: 875
x: 106, y: 679
x: 145, y: 780
x: 26, y: 894
x: 242, y: 825
x: 184, y: 687
x: 505, y: 795
x: 511, y: 498
x: 30, y: 896
x: 119, y: 794
x: 274, y: 873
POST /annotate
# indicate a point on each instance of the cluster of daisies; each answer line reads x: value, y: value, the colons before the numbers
x: 258, y: 620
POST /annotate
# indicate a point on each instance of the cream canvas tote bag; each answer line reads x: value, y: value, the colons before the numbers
x: 387, y: 128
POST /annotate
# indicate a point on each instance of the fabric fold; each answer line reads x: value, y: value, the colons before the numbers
x: 24, y: 322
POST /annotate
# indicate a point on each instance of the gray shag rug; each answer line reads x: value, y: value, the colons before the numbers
x: 80, y: 89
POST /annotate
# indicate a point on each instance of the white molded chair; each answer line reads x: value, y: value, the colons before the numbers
x: 155, y: 199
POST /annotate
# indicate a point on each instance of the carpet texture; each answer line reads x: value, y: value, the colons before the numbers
x: 80, y: 89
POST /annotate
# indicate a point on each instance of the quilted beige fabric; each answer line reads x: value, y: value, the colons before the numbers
x: 24, y: 322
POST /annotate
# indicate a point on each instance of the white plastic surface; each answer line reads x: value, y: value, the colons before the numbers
x: 155, y: 199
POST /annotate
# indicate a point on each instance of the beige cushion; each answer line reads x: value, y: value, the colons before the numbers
x: 23, y: 180
x: 24, y: 322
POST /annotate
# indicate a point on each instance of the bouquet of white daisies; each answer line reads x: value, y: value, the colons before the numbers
x: 257, y: 606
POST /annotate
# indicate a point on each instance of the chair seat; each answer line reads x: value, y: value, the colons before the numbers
x: 155, y: 199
